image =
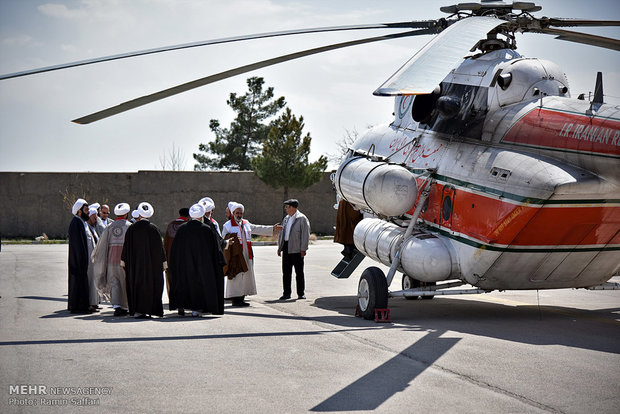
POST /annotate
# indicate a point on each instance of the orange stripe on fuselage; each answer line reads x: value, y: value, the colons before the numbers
x: 567, y: 131
x: 495, y: 221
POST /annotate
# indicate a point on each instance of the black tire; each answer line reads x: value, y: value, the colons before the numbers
x: 372, y: 292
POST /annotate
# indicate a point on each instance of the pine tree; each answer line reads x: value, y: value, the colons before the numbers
x: 234, y: 147
x: 284, y: 159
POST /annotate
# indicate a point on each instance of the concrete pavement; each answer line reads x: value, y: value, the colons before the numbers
x: 547, y: 351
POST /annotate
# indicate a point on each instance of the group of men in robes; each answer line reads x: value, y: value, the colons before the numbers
x: 125, y: 263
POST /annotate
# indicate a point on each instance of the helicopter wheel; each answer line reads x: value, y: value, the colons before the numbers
x: 410, y: 283
x: 372, y: 292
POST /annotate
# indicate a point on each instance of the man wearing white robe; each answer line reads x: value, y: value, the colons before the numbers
x: 91, y: 241
x: 244, y: 283
x: 109, y: 275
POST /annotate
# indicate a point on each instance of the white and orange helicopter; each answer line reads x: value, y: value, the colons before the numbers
x: 490, y: 174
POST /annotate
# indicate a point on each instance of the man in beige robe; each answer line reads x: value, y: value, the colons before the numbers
x: 109, y: 275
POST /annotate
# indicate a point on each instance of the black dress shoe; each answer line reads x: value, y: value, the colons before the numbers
x: 142, y: 317
x: 181, y: 312
x: 301, y: 297
x: 285, y: 297
x: 240, y: 303
x: 120, y: 312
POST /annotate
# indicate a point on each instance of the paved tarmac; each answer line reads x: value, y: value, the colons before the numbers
x: 521, y: 352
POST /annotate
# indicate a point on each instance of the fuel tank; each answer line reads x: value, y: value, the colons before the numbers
x: 387, y: 189
x: 424, y: 256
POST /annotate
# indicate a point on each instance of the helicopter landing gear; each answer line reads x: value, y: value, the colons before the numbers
x: 410, y: 283
x: 372, y: 292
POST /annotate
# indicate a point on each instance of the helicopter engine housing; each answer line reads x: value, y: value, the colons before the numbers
x: 386, y: 189
x: 424, y: 256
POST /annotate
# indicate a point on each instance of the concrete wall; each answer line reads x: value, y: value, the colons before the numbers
x: 35, y: 203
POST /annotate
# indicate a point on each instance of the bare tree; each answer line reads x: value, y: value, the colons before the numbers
x: 345, y: 143
x: 173, y: 160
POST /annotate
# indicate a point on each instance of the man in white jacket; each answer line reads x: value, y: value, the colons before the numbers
x: 244, y: 283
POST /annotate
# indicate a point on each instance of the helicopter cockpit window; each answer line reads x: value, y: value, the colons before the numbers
x: 423, y: 105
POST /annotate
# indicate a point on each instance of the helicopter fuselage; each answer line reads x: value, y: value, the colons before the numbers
x: 526, y: 184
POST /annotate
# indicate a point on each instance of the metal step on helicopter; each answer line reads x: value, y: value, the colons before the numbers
x: 489, y: 175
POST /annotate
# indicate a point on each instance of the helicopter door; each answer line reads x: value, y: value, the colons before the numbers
x: 447, y: 206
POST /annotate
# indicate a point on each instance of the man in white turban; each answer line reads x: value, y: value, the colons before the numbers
x: 209, y: 206
x: 78, y: 301
x: 109, y: 275
x: 243, y: 283
x: 144, y: 260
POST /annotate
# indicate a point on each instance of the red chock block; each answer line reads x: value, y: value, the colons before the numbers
x: 382, y: 315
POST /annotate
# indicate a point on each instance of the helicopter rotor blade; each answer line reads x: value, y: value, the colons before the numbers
x: 557, y: 22
x: 134, y: 103
x: 588, y: 39
x: 421, y: 24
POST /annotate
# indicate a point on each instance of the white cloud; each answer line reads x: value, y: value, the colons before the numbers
x: 62, y: 11
x: 18, y: 41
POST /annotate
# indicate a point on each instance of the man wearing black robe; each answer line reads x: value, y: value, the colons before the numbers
x: 78, y: 301
x: 144, y: 260
x: 196, y: 263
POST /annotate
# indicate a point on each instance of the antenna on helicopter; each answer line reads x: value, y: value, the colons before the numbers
x: 597, y: 101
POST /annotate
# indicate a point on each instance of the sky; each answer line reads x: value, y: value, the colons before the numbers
x: 332, y: 91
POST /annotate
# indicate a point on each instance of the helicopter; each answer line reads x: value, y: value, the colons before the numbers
x: 489, y: 175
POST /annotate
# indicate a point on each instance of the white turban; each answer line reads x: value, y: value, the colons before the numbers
x: 145, y: 209
x: 196, y: 211
x: 92, y: 211
x: 207, y: 203
x: 95, y: 205
x: 135, y: 214
x: 231, y: 205
x: 78, y: 205
x: 236, y: 206
x: 121, y: 209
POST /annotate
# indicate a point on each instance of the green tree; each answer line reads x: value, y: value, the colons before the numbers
x: 234, y: 147
x: 284, y: 159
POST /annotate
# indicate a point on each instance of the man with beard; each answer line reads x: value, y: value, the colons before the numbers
x: 78, y: 301
x: 144, y: 261
x: 196, y: 263
x: 209, y: 206
x: 171, y: 231
x: 109, y: 275
x: 243, y: 283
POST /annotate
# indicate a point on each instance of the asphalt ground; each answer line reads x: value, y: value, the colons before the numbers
x: 502, y: 352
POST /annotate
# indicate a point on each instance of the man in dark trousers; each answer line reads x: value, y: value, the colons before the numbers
x: 196, y: 263
x: 144, y: 261
x: 292, y: 246
x: 78, y: 301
